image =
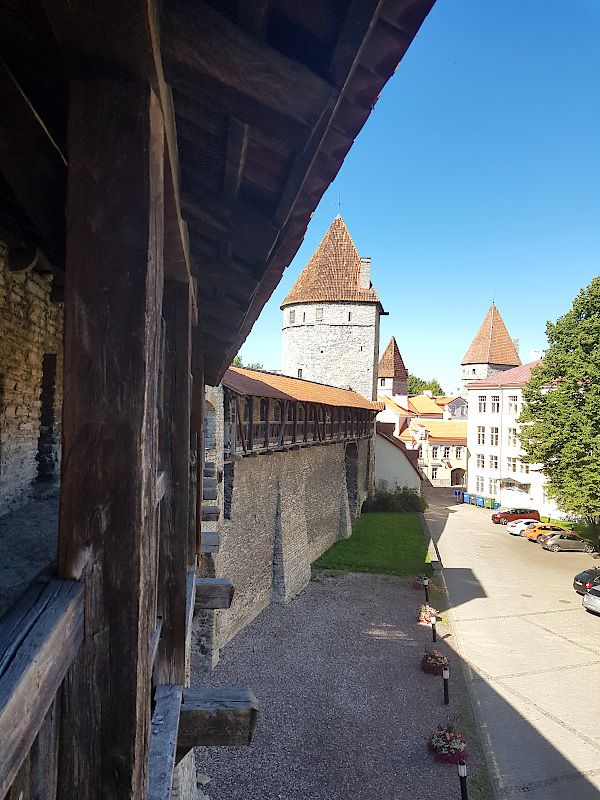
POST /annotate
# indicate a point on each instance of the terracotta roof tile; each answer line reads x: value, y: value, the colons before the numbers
x: 265, y: 384
x: 391, y: 364
x: 510, y: 377
x: 333, y: 272
x: 423, y: 404
x: 442, y: 429
x: 492, y: 344
x: 395, y: 407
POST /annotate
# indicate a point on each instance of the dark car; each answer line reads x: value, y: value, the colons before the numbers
x: 567, y: 541
x: 505, y: 515
x: 586, y: 579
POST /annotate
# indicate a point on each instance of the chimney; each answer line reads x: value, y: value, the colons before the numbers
x: 516, y: 344
x: 365, y: 274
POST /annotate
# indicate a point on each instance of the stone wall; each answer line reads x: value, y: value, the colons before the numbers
x: 335, y: 350
x: 30, y: 385
x: 286, y: 510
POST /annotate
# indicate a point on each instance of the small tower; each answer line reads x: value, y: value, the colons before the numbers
x: 392, y: 374
x: 331, y: 318
x: 491, y: 351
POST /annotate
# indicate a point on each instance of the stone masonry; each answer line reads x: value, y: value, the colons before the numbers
x: 30, y: 385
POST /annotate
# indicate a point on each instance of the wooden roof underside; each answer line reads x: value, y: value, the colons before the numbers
x: 262, y: 100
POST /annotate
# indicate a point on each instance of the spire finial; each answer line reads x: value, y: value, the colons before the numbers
x: 339, y: 204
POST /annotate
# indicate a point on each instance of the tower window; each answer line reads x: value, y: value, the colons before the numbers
x: 304, y: 317
x: 319, y: 314
x: 299, y: 373
x: 292, y: 317
x: 381, y: 380
x: 349, y: 316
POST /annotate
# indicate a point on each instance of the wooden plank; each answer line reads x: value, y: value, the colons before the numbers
x: 161, y: 485
x: 210, y: 542
x: 213, y: 593
x: 210, y: 513
x: 209, y: 493
x: 155, y: 640
x: 113, y: 299
x: 212, y: 60
x: 163, y: 741
x: 36, y: 650
x: 217, y: 718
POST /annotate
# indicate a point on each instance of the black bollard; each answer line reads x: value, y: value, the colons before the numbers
x: 433, y: 629
x: 426, y: 585
x: 446, y: 677
x: 462, y: 774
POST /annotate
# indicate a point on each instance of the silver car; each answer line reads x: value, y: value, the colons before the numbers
x: 567, y: 541
x: 591, y: 600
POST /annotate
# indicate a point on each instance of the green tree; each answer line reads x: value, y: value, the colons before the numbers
x: 237, y: 362
x: 417, y: 385
x: 562, y: 409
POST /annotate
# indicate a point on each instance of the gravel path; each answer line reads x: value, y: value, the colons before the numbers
x: 345, y: 711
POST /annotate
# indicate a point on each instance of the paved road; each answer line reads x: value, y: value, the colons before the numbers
x: 532, y: 650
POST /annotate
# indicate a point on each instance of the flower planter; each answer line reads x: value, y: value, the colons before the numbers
x: 447, y: 746
x: 426, y: 613
x: 433, y: 662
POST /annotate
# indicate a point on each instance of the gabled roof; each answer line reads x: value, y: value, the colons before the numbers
x: 333, y: 272
x: 443, y: 430
x: 391, y: 364
x: 445, y: 401
x: 403, y: 412
x: 423, y: 404
x: 510, y: 377
x: 492, y: 343
x: 265, y: 384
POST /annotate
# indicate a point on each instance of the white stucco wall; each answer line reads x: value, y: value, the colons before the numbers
x: 336, y: 351
x: 392, y: 466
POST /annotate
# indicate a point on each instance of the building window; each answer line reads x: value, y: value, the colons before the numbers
x: 299, y: 373
x: 494, y: 487
x: 512, y: 437
x: 434, y: 472
x: 349, y: 316
x: 512, y: 464
x: 480, y: 460
x: 459, y: 452
x: 545, y: 495
x: 480, y: 434
x: 292, y: 317
x: 525, y: 468
x: 434, y: 452
x: 382, y: 381
x: 479, y: 483
x: 494, y: 436
x: 512, y: 404
x: 482, y: 404
x: 446, y: 452
x: 319, y: 314
x: 304, y: 316
x: 495, y: 403
x: 493, y: 462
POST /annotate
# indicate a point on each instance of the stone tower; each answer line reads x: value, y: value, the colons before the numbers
x: 331, y: 318
x: 392, y: 374
x: 491, y: 351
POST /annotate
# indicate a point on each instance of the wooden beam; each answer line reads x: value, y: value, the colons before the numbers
x: 39, y: 638
x: 213, y: 593
x: 212, y: 60
x: 240, y: 421
x: 216, y: 718
x: 107, y: 531
x: 210, y: 542
x: 163, y: 741
x: 210, y: 514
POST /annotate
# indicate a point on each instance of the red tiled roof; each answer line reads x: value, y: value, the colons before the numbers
x: 391, y: 364
x: 404, y: 412
x: 510, y: 377
x: 265, y: 384
x: 423, y: 404
x: 333, y: 272
x: 492, y: 344
x: 443, y: 430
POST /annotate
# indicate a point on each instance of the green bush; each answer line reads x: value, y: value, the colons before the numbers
x: 402, y: 498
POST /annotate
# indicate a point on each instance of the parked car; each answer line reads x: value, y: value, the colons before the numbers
x: 533, y: 531
x: 586, y: 579
x: 591, y: 599
x: 505, y: 515
x: 516, y: 527
x: 567, y: 541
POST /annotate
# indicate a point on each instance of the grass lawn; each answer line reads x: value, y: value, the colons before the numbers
x: 382, y: 543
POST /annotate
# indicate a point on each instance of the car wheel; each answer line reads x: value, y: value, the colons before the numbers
x: 589, y: 548
x: 555, y: 548
x: 504, y: 521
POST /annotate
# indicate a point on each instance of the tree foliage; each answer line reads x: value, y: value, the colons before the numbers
x: 417, y: 386
x: 237, y: 362
x: 562, y: 408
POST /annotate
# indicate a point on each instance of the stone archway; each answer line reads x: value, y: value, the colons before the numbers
x: 457, y: 477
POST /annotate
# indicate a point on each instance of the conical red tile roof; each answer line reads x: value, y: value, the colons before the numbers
x: 333, y: 272
x: 492, y: 344
x: 391, y: 364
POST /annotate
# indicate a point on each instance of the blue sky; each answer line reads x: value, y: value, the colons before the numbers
x: 478, y: 173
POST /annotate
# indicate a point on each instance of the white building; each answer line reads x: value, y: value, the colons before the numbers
x: 331, y: 318
x: 394, y: 464
x: 495, y: 467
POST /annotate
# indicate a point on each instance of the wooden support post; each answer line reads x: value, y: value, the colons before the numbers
x: 283, y: 409
x: 163, y: 743
x: 213, y: 593
x: 113, y: 305
x: 240, y: 419
x: 268, y: 421
x: 216, y: 718
x: 250, y: 423
x: 197, y: 423
x: 295, y: 425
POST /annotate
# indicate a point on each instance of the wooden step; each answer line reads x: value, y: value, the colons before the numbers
x: 210, y: 513
x: 208, y: 493
x: 213, y: 593
x: 209, y: 542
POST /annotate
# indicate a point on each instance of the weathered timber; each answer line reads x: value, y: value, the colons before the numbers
x: 211, y: 59
x: 209, y: 469
x: 216, y: 718
x: 155, y: 640
x: 163, y: 740
x: 210, y: 482
x: 108, y: 518
x: 161, y: 485
x: 210, y: 513
x: 197, y: 423
x: 209, y: 493
x: 210, y: 542
x: 174, y: 556
x: 213, y: 593
x: 39, y: 638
